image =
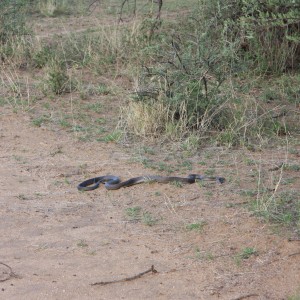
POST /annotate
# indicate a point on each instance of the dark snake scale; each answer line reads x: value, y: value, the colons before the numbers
x: 113, y: 182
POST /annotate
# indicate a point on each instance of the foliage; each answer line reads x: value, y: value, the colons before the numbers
x: 53, y: 8
x: 42, y: 56
x: 185, y: 76
x: 185, y: 68
x: 189, y: 75
x: 268, y: 32
x: 57, y: 78
x: 283, y: 208
x: 12, y: 18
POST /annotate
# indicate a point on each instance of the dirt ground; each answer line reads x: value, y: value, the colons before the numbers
x: 56, y: 242
x: 59, y: 241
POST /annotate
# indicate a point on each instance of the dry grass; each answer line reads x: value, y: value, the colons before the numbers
x: 147, y: 119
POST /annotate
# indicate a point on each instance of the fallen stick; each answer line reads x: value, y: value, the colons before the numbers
x: 293, y: 239
x: 152, y: 270
x: 10, y: 274
x: 293, y: 254
x: 245, y: 296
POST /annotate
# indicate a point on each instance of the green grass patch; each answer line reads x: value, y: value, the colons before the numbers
x: 112, y: 137
x: 82, y: 244
x: 96, y: 107
x: 295, y: 168
x: 198, y: 226
x: 134, y: 213
x: 245, y: 253
x: 281, y: 208
x: 40, y: 120
x: 148, y: 219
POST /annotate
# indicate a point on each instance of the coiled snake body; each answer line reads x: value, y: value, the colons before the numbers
x: 113, y: 182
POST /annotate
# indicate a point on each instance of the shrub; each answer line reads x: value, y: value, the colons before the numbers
x: 57, y: 79
x: 12, y: 19
x: 184, y: 77
x: 268, y: 32
x: 186, y: 70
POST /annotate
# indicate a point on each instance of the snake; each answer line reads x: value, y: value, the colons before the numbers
x: 114, y: 183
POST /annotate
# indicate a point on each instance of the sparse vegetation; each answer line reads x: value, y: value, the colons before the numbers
x: 113, y: 137
x: 198, y: 226
x: 12, y: 19
x: 82, y: 244
x: 134, y: 213
x: 57, y: 80
x: 203, y: 255
x: 188, y: 84
x: 245, y: 253
x: 183, y: 89
x: 40, y: 120
x: 295, y: 296
x: 187, y: 79
x: 148, y: 219
x: 283, y: 207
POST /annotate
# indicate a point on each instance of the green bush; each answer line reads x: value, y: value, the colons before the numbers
x: 43, y: 55
x: 58, y: 81
x: 268, y: 32
x: 185, y: 74
x: 12, y: 19
x: 14, y: 44
x: 187, y: 69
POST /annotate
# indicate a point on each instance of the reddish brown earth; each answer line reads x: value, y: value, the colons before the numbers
x: 59, y: 241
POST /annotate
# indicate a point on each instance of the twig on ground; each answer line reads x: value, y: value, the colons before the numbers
x: 245, y: 296
x: 152, y: 270
x: 10, y: 274
x: 293, y: 254
x: 294, y: 239
x: 277, y: 167
x: 92, y: 4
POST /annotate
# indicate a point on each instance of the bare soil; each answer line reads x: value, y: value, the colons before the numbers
x: 58, y: 241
